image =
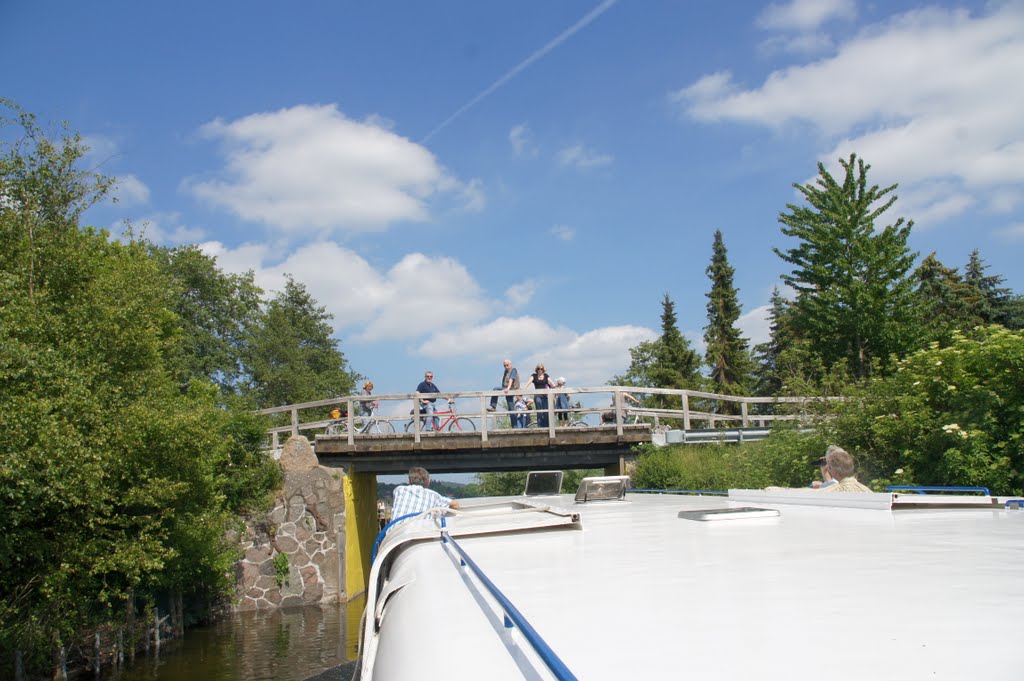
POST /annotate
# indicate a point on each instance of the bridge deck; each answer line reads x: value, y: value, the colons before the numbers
x: 467, y: 452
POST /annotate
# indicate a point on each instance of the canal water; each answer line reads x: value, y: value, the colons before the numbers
x: 281, y: 645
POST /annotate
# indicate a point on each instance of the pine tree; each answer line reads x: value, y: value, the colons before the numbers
x: 769, y: 372
x: 948, y: 303
x: 855, y: 301
x: 728, y: 353
x: 676, y: 365
x: 665, y: 362
x: 996, y: 303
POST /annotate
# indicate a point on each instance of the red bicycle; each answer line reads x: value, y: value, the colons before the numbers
x: 450, y: 422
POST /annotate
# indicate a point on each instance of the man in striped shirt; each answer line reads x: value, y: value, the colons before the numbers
x: 416, y: 498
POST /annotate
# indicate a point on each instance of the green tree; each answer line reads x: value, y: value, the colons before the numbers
x: 854, y: 296
x: 947, y: 302
x: 666, y: 362
x: 727, y: 354
x: 216, y: 312
x: 290, y: 355
x: 769, y: 373
x: 113, y: 482
x: 996, y: 303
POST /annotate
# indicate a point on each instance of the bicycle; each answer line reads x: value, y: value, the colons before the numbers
x: 451, y: 423
x: 365, y: 425
x: 575, y: 420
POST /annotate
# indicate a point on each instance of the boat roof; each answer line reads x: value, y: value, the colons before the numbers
x: 766, y: 585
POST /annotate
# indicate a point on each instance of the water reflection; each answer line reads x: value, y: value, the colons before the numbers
x: 280, y: 645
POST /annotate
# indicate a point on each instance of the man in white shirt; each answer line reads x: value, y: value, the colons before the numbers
x: 416, y: 498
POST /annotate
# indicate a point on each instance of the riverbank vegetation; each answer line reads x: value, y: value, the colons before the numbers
x: 128, y: 378
x: 928, y: 360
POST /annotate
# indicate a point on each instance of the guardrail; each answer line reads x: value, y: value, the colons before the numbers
x: 609, y: 406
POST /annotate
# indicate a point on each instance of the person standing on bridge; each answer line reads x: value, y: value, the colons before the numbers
x: 509, y: 383
x: 541, y: 380
x: 427, y: 403
x: 367, y: 406
x: 416, y: 498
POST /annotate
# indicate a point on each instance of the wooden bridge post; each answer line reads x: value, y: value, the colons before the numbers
x: 743, y: 412
x: 483, y: 419
x: 686, y: 411
x: 295, y: 421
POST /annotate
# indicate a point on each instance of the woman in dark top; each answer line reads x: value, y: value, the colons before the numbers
x: 541, y: 380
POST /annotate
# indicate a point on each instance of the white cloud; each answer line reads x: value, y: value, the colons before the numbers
x: 756, y: 325
x: 131, y: 190
x: 582, y: 158
x: 519, y: 295
x: 1012, y: 233
x: 927, y: 97
x: 585, y: 359
x: 802, y: 44
x: 160, y: 228
x: 805, y: 15
x: 312, y: 168
x: 522, y: 141
x: 417, y: 296
x: 563, y: 232
x: 100, y: 148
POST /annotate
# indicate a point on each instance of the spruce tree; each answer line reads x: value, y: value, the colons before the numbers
x: 769, y: 372
x: 727, y: 354
x: 948, y: 303
x: 996, y: 303
x: 675, y: 365
x: 855, y: 300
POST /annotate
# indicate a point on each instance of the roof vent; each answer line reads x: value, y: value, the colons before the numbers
x: 543, y: 483
x: 602, y: 488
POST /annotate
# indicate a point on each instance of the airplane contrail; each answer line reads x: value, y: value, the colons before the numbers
x: 558, y: 40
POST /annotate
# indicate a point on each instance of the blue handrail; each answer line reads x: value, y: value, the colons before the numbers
x: 384, y: 530
x: 938, y: 488
x: 1019, y: 503
x: 680, y: 491
x: 514, y: 617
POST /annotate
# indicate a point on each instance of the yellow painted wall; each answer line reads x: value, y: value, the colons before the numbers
x: 361, y: 528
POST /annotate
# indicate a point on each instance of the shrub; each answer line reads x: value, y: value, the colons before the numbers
x: 949, y: 415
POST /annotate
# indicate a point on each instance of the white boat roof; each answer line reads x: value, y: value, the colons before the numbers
x: 900, y: 588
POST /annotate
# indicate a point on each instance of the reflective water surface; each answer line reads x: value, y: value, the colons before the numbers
x: 282, y: 645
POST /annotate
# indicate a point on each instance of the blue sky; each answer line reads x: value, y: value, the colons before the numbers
x: 461, y: 181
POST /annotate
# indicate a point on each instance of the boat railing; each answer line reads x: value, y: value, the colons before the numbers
x: 925, y: 489
x: 694, y: 492
x: 512, y: 617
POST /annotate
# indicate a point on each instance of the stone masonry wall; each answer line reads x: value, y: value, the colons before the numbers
x: 306, y: 525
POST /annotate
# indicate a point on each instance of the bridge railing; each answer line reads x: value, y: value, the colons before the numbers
x: 613, y: 405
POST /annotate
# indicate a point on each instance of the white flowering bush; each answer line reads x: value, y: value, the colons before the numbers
x: 949, y: 415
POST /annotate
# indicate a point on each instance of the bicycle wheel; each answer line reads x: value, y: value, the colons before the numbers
x: 409, y: 426
x: 461, y: 423
x: 577, y: 423
x: 335, y: 428
x: 379, y: 427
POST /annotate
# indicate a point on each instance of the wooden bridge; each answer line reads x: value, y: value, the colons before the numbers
x: 604, y: 418
x: 607, y: 422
